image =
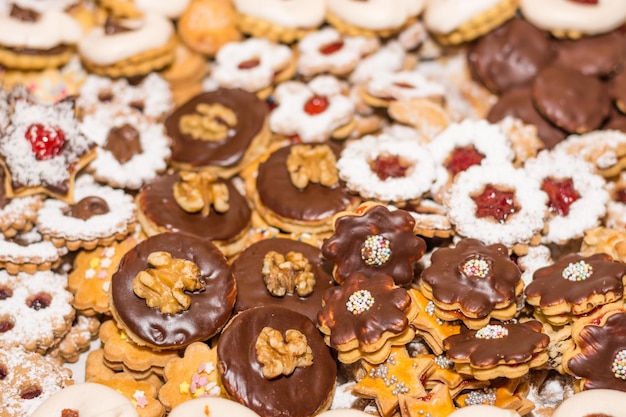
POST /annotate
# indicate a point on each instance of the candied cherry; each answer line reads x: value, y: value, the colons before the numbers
x: 585, y: 1
x: 39, y: 301
x: 619, y: 195
x: 462, y: 158
x: 46, y: 142
x: 495, y: 203
x: 316, y: 105
x: 386, y: 166
x: 331, y: 48
x: 249, y: 64
x: 561, y: 194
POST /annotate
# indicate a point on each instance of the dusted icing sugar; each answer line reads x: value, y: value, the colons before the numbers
x: 53, y: 28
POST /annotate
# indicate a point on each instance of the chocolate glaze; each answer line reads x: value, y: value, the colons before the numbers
x: 24, y: 14
x: 556, y: 89
x: 252, y: 290
x: 599, y: 345
x: 209, y: 310
x: 617, y: 90
x: 549, y: 284
x: 517, y: 103
x: 523, y: 340
x: 616, y: 121
x: 300, y: 394
x: 88, y: 207
x: 597, y: 56
x: 314, y: 203
x: 511, y: 55
x: 123, y: 142
x: 156, y: 201
x: 475, y: 294
x: 251, y: 113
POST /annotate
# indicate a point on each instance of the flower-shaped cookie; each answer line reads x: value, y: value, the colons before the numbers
x: 373, y: 240
x: 575, y: 285
x: 473, y: 282
x: 498, y: 350
x: 43, y: 149
x: 314, y: 111
x: 364, y: 317
x: 384, y: 87
x: 599, y: 356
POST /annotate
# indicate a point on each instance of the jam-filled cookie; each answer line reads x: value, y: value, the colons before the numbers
x: 281, y: 272
x: 197, y: 203
x: 78, y: 340
x: 160, y: 307
x: 266, y: 350
x: 385, y: 87
x: 29, y: 252
x: 221, y: 131
x: 16, y: 214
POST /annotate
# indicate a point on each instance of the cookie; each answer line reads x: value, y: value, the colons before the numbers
x: 428, y: 117
x: 29, y: 252
x: 599, y: 56
x: 484, y: 411
x: 133, y: 8
x: 384, y: 87
x: 203, y: 38
x: 599, y: 401
x: 436, y: 402
x: 609, y: 240
x: 617, y: 90
x: 217, y: 406
x: 186, y: 74
x: 430, y: 327
x: 141, y: 393
x: 78, y: 340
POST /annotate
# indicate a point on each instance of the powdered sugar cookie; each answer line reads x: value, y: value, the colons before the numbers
x: 497, y: 203
x: 29, y: 380
x: 387, y: 169
x: 431, y: 218
x: 100, y: 216
x: 131, y: 151
x: 55, y: 149
x: 576, y: 195
x: 314, y: 111
x: 523, y: 137
x: 385, y: 87
x: 427, y: 116
x: 16, y: 214
x: 78, y: 340
x: 391, y: 57
x: 616, y: 206
x: 536, y: 257
x: 35, y: 310
x: 254, y: 65
x: 218, y: 407
x: 328, y: 51
x: 28, y: 252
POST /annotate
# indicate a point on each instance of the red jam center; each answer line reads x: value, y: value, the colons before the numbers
x: 6, y: 324
x: 331, y: 48
x: 404, y: 85
x: 39, y: 301
x: 249, y: 64
x: 461, y: 159
x: 46, y: 142
x: 5, y: 293
x: 585, y: 1
x: 316, y: 105
x: 389, y: 166
x: 3, y: 372
x: 30, y: 393
x: 561, y: 195
x: 495, y: 203
x: 619, y: 195
x: 69, y: 413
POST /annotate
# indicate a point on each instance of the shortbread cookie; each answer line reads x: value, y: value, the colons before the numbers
x: 78, y: 340
x: 29, y: 252
x: 431, y: 218
x: 483, y: 410
x: 385, y: 87
x: 16, y: 214
x: 428, y: 117
x: 141, y: 393
x: 436, y: 402
x: 609, y: 240
x: 186, y: 74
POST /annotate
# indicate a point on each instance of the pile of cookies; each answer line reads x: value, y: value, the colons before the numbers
x: 312, y: 207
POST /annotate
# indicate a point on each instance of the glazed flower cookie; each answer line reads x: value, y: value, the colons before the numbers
x: 577, y: 196
x: 29, y: 379
x: 29, y: 252
x: 496, y: 203
x: 266, y: 350
x: 236, y: 132
x: 470, y: 21
x: 35, y: 310
x: 575, y: 285
x: 36, y: 40
x: 192, y: 376
x: 296, y: 188
x: 254, y: 65
x: 386, y: 168
x: 281, y: 272
x: 507, y: 350
x: 313, y: 112
x: 129, y: 47
x: 148, y: 293
x: 574, y: 19
x: 196, y: 203
x: 364, y: 318
x: 373, y: 240
x: 100, y: 216
x: 327, y: 51
x: 382, y: 88
x: 373, y: 17
x: 391, y: 57
x: 596, y: 401
x: 472, y: 282
x: 43, y: 149
x: 84, y: 399
x: 280, y: 21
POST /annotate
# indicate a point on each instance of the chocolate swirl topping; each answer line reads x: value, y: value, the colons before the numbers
x: 123, y: 142
x: 88, y: 207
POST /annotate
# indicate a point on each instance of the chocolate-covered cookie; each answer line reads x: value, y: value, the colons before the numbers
x: 597, y: 56
x: 617, y: 90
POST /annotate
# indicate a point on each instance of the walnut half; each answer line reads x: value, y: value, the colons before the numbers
x: 287, y: 274
x: 209, y: 122
x: 198, y: 191
x: 280, y: 356
x: 163, y: 285
x: 317, y: 164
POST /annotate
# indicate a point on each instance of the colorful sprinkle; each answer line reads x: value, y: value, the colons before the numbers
x: 578, y: 271
x: 376, y: 250
x: 360, y: 301
x: 475, y: 267
x: 140, y: 398
x: 492, y: 331
x: 619, y: 365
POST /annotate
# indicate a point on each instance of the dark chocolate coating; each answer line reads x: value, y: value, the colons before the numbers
x: 210, y: 309
x: 597, y: 56
x: 300, y: 394
x: 617, y: 90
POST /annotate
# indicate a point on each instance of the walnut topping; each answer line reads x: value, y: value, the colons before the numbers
x: 163, y: 285
x: 210, y: 122
x: 288, y: 274
x: 197, y: 191
x: 308, y: 163
x: 280, y: 356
